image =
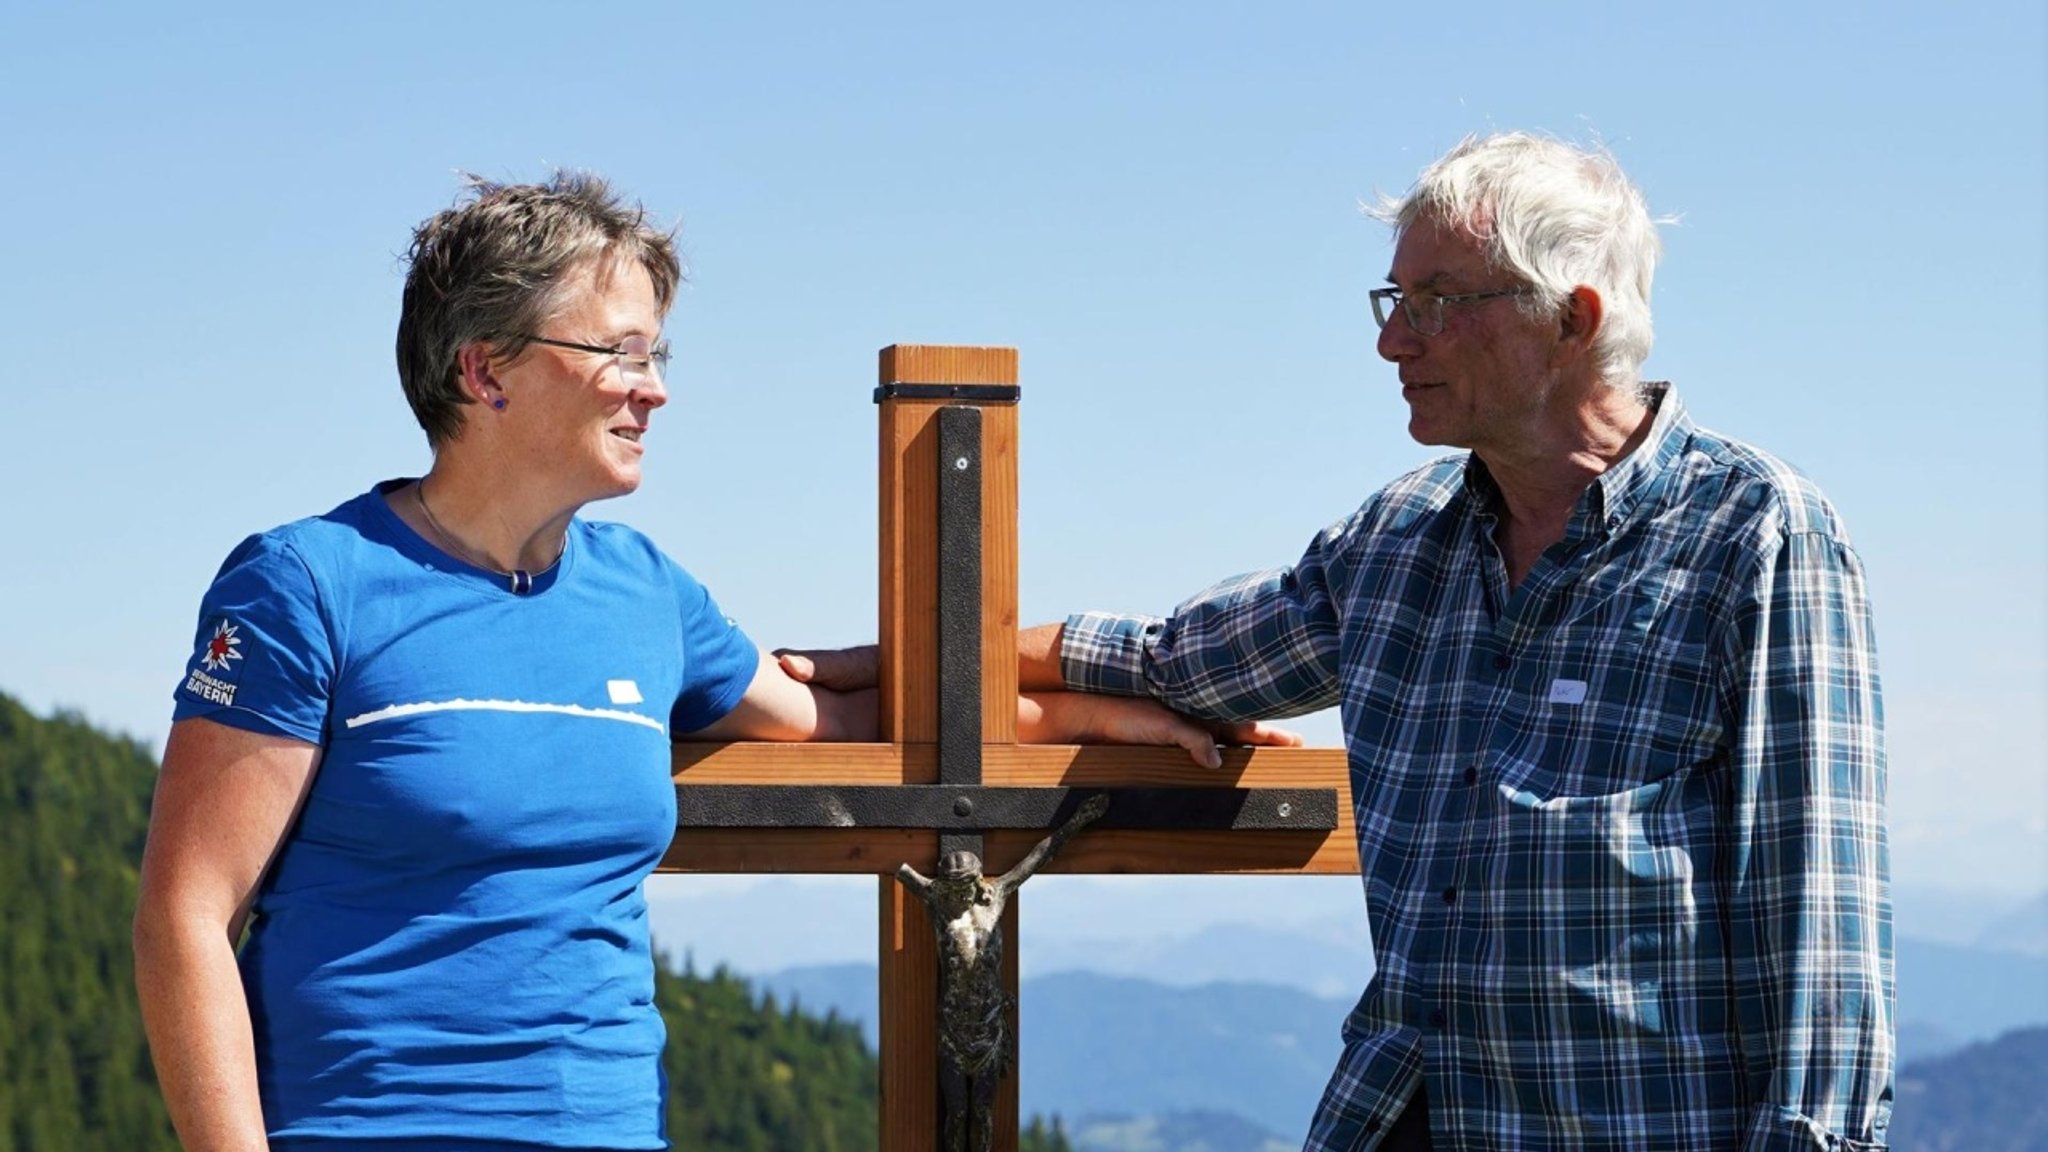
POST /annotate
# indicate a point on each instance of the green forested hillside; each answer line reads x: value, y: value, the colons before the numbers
x: 74, y: 1072
x: 75, y: 1075
x: 746, y: 1077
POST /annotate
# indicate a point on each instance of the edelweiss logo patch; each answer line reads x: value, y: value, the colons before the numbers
x: 217, y: 654
x: 220, y: 651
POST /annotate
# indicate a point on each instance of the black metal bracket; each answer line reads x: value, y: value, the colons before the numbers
x: 975, y: 393
x: 973, y: 809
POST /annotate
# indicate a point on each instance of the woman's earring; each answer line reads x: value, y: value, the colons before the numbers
x: 499, y: 403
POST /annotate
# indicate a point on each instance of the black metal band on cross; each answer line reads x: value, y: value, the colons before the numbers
x: 972, y: 393
x: 966, y: 810
x: 960, y: 612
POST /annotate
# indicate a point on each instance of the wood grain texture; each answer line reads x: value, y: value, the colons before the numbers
x: 908, y: 585
x: 814, y: 851
x: 907, y: 580
x: 999, y: 574
x: 909, y: 987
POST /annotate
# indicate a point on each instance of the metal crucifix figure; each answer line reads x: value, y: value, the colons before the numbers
x: 976, y: 1046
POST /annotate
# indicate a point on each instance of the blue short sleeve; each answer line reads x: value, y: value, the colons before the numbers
x: 719, y: 661
x: 262, y: 657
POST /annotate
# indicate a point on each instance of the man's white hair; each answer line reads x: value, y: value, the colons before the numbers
x: 1554, y: 216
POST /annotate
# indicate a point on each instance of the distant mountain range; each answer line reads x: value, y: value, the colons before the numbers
x: 1205, y: 1131
x: 2024, y: 929
x: 1263, y: 1051
x: 1307, y: 931
x: 1987, y: 1097
x: 1095, y: 1046
x: 1995, y: 920
x: 1965, y: 994
x: 1984, y: 1098
x: 1200, y: 998
x: 1950, y: 994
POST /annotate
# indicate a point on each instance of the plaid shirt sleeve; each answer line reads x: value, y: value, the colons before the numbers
x: 1810, y: 926
x: 1258, y: 646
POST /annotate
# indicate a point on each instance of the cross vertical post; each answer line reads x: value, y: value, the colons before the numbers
x: 948, y: 665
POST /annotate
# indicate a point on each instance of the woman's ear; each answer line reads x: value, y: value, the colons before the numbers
x: 479, y: 381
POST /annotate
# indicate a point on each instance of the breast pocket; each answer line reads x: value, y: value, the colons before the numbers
x: 1598, y: 896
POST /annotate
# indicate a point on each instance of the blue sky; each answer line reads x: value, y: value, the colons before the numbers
x: 1157, y: 203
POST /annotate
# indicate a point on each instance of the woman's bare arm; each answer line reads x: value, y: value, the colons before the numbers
x: 224, y: 801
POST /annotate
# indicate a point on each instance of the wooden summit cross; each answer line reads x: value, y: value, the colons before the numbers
x: 950, y: 773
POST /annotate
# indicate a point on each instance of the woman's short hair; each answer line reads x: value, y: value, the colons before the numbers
x: 1554, y: 216
x: 493, y: 269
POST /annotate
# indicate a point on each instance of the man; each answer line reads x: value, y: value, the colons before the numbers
x: 1608, y: 690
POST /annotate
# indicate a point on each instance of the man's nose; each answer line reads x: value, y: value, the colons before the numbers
x: 1398, y: 340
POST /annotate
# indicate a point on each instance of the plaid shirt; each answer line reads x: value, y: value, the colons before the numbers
x: 1621, y: 827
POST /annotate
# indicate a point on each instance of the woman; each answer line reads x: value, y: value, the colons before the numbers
x: 422, y: 750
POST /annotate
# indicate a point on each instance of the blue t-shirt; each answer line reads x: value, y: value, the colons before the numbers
x: 452, y: 946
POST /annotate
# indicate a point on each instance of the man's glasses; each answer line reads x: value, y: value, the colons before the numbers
x: 637, y: 358
x: 1425, y: 310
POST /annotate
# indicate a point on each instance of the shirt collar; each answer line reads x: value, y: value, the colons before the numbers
x: 1617, y: 492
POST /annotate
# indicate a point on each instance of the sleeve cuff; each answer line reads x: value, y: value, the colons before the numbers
x: 1779, y: 1129
x: 248, y: 720
x: 1106, y: 654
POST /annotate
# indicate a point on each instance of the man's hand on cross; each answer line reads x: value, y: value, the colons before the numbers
x: 840, y: 669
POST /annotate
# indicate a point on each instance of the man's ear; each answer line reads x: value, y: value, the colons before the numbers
x: 1579, y: 320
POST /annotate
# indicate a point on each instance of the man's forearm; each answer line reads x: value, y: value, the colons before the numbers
x: 1038, y: 658
x: 844, y: 716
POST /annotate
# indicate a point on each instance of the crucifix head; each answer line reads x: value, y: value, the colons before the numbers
x: 960, y: 865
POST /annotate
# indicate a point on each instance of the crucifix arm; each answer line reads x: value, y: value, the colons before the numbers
x: 912, y: 879
x: 1046, y: 849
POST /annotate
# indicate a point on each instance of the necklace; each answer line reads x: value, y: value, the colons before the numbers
x: 519, y: 579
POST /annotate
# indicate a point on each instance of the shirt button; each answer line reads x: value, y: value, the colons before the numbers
x: 1471, y: 775
x: 1501, y: 662
x: 1437, y: 1019
x: 1451, y: 894
x: 1371, y: 1126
